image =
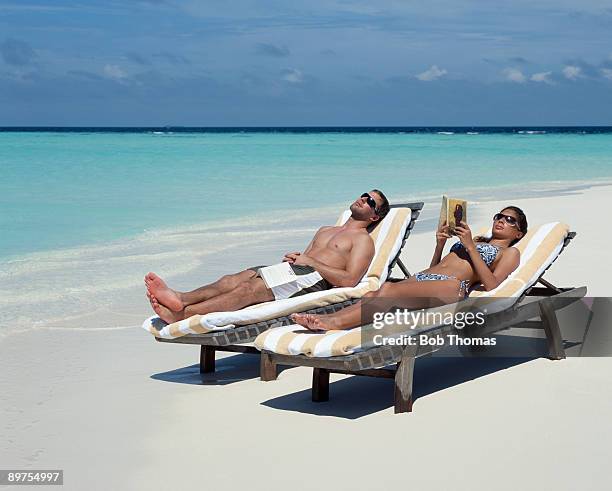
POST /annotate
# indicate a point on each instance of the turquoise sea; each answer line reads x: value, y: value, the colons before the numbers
x: 66, y: 189
x: 85, y: 214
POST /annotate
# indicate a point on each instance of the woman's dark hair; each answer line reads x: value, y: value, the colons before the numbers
x: 522, y: 218
x: 383, y: 209
x: 521, y: 223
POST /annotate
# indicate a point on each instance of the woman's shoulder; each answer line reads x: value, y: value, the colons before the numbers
x: 509, y: 251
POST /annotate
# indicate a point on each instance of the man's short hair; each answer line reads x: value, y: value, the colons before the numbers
x: 383, y: 209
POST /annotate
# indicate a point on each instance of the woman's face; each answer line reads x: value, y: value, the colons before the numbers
x: 506, y: 226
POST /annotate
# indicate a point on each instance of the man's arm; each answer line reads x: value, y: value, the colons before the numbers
x: 356, y: 265
x: 292, y: 256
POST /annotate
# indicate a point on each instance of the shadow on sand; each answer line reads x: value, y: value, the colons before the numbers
x: 357, y: 396
x: 228, y: 370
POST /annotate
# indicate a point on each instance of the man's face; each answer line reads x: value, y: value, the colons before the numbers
x: 361, y: 210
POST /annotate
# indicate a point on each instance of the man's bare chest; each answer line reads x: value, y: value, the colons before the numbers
x: 337, y: 240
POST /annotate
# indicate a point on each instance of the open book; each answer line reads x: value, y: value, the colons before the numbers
x: 278, y: 274
x: 452, y: 212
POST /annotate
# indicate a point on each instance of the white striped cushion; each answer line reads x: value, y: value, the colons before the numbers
x: 539, y: 248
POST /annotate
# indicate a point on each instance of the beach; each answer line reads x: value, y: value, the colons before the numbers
x: 199, y: 140
x: 97, y: 396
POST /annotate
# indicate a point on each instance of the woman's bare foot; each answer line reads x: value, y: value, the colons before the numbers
x: 313, y: 322
x: 165, y: 313
x: 165, y: 296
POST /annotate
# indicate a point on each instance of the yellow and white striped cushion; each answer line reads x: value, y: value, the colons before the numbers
x: 539, y: 248
x: 387, y: 237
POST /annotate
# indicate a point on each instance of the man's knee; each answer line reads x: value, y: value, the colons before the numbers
x: 226, y: 280
x: 230, y: 280
x: 250, y: 288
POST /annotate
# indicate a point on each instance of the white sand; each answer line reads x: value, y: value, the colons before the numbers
x: 118, y: 410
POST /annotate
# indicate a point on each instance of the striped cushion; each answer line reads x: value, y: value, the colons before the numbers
x: 539, y: 248
x: 387, y: 237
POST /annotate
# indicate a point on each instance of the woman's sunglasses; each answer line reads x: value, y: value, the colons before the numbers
x: 510, y: 220
x: 370, y: 201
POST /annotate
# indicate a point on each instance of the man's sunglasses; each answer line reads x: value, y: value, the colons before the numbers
x: 510, y: 220
x: 370, y: 201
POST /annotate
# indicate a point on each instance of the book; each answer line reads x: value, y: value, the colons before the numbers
x: 452, y: 211
x: 278, y: 274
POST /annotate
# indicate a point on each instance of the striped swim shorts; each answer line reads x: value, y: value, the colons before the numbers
x: 307, y: 280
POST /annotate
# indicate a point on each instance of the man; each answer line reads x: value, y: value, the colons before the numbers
x: 336, y: 256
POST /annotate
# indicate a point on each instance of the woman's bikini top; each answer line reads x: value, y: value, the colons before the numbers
x: 488, y: 252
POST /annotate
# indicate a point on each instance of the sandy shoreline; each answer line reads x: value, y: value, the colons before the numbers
x: 118, y: 410
x: 100, y: 285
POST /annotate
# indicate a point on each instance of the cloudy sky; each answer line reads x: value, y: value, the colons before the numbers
x: 316, y: 62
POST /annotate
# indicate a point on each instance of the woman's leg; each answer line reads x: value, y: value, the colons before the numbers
x: 408, y: 294
x: 343, y: 319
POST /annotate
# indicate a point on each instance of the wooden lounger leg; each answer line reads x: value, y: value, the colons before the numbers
x: 551, y: 328
x: 207, y: 359
x: 320, y: 385
x: 267, y: 367
x: 403, y: 384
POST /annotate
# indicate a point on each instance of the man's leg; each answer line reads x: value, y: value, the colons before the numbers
x: 224, y: 284
x: 244, y: 294
x: 177, y: 301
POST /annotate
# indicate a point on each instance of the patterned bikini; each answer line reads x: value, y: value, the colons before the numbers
x: 488, y: 253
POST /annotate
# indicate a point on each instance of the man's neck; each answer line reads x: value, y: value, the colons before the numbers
x: 351, y: 223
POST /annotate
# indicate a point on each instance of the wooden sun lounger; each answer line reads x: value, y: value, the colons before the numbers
x: 397, y: 362
x: 234, y: 339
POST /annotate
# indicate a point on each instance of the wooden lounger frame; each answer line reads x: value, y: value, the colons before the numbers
x: 233, y: 339
x: 397, y: 362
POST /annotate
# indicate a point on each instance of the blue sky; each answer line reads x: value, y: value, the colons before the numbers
x: 321, y: 62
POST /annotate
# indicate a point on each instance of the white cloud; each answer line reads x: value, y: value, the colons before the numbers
x: 607, y: 72
x: 542, y: 77
x: 514, y: 75
x: 572, y: 72
x: 114, y: 72
x: 293, y: 76
x: 433, y: 73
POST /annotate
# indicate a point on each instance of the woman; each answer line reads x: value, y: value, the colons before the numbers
x: 487, y: 261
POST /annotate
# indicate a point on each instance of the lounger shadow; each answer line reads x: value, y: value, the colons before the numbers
x: 434, y: 373
x: 229, y: 369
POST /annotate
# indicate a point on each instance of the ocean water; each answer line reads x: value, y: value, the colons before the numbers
x: 85, y: 214
x: 65, y: 189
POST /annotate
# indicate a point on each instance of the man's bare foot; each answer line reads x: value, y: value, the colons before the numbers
x: 313, y: 322
x: 152, y: 299
x: 165, y: 296
x: 165, y: 313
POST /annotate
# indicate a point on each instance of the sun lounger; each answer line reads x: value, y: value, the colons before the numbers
x: 229, y: 331
x: 344, y: 352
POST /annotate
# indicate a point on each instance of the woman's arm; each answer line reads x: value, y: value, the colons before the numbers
x: 441, y: 236
x: 508, y: 262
